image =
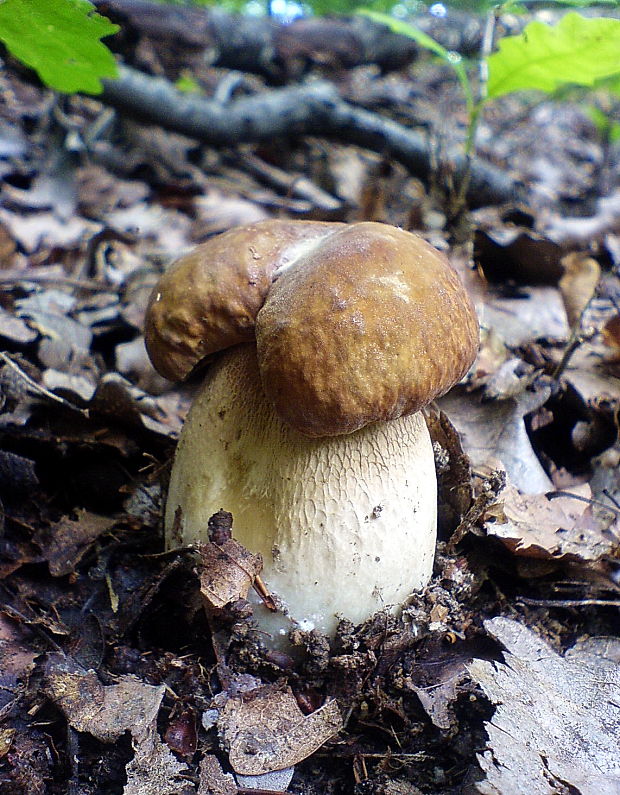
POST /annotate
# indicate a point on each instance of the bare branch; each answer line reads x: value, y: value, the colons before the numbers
x: 314, y: 109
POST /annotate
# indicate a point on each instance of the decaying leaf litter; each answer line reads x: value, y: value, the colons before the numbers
x: 114, y: 678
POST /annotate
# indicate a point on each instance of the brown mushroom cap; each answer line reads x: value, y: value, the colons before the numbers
x: 354, y: 323
x: 374, y: 326
x: 208, y: 300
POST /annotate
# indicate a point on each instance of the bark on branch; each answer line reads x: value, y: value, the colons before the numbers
x: 315, y: 109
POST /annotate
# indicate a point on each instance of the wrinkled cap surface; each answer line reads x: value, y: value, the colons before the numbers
x: 208, y: 300
x: 372, y: 326
x: 353, y: 323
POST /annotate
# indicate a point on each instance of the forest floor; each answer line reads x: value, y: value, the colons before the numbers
x: 504, y: 674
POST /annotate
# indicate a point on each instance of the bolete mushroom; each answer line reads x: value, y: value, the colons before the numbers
x: 308, y: 428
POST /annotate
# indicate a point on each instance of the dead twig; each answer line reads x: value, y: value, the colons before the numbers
x: 569, y: 602
x: 14, y: 277
x: 552, y: 495
x: 38, y: 389
x: 315, y: 109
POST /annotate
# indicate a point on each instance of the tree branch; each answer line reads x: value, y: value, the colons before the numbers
x: 314, y: 109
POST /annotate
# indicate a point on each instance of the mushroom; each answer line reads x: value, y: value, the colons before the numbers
x: 309, y: 426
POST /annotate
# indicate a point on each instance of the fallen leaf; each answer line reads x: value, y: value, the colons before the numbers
x: 584, y: 231
x: 512, y: 253
x: 16, y: 663
x: 17, y: 475
x: 275, y: 781
x: 154, y: 769
x: 213, y: 780
x: 216, y: 212
x: 438, y: 700
x: 538, y: 527
x: 265, y: 730
x: 611, y: 337
x: 69, y: 539
x: 76, y: 388
x: 453, y: 470
x: 493, y: 434
x: 15, y: 329
x: 46, y: 229
x: 6, y: 739
x: 105, y: 711
x: 577, y: 285
x: 228, y: 571
x: 556, y: 724
x: 538, y: 313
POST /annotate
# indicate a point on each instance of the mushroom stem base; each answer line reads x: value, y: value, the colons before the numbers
x: 346, y: 524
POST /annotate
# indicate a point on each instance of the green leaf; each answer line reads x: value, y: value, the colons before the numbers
x: 576, y: 50
x: 424, y: 40
x: 606, y: 126
x: 613, y: 85
x: 187, y: 84
x: 60, y: 40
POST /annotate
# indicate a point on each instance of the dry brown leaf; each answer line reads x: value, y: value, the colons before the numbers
x: 438, y: 700
x: 6, y: 740
x: 213, y: 780
x: 105, y: 711
x: 16, y: 662
x: 453, y: 470
x: 108, y: 711
x: 228, y: 573
x: 265, y: 730
x: 154, y: 769
x: 611, y: 337
x: 69, y: 539
x: 578, y: 284
x: 538, y: 527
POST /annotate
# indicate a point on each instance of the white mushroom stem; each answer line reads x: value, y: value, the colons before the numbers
x: 346, y: 525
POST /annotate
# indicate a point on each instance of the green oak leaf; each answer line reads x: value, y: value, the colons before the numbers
x: 60, y: 40
x: 576, y: 50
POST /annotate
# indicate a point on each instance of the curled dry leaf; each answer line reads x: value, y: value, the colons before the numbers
x: 578, y: 284
x: 229, y: 570
x: 517, y: 254
x: 265, y: 730
x: 538, y: 527
x: 453, y: 470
